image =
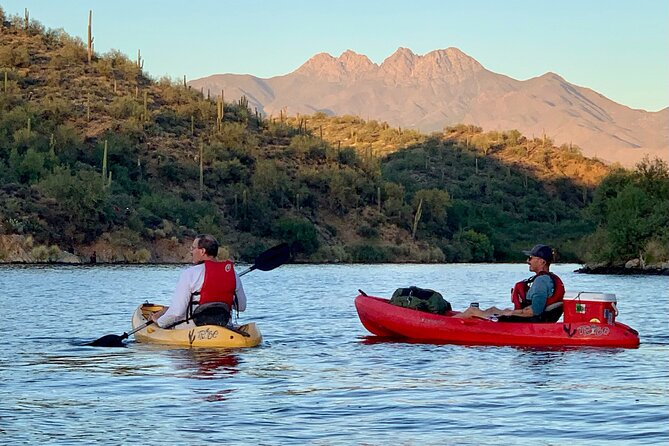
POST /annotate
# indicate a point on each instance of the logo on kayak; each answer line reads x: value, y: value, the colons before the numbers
x: 201, y: 335
x: 593, y: 330
x: 568, y: 330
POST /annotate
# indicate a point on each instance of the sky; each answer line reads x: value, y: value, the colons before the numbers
x: 618, y: 48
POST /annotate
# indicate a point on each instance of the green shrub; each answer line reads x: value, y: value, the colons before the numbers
x: 367, y: 231
x: 365, y: 253
x: 124, y: 107
x: 299, y: 233
x: 141, y: 255
x: 40, y: 253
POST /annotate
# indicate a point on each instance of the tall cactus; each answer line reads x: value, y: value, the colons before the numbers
x: 90, y: 35
x: 219, y: 112
x: 416, y: 219
x: 104, y: 165
x: 146, y: 106
x: 244, y: 102
x: 245, y: 202
x: 26, y: 18
x: 140, y: 61
x: 201, y: 169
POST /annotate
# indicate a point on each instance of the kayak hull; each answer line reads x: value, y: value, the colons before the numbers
x: 208, y: 336
x: 382, y: 318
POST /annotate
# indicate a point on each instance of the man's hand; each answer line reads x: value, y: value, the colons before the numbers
x: 155, y: 316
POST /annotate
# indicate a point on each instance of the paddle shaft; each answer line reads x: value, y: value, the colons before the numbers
x: 141, y: 327
x: 246, y: 271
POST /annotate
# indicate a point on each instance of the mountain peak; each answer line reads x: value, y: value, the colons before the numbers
x: 348, y: 64
x: 353, y: 62
x: 450, y: 65
x: 403, y: 66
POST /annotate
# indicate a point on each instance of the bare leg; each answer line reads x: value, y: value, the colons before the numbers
x: 477, y: 312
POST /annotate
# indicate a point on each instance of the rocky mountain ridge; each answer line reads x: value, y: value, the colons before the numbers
x: 447, y: 87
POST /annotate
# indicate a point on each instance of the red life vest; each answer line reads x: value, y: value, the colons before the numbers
x: 519, y: 292
x: 219, y: 283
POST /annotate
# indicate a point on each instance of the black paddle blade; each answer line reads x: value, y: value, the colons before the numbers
x: 272, y: 258
x: 110, y: 341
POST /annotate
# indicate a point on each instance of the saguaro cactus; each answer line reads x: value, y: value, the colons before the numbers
x: 219, y: 112
x: 416, y: 219
x: 104, y: 166
x: 146, y: 106
x: 201, y: 169
x: 90, y: 36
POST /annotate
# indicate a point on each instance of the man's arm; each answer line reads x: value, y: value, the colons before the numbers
x: 523, y: 312
x: 241, y: 296
x: 179, y: 304
x: 541, y: 288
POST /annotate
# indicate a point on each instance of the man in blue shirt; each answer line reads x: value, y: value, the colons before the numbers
x: 539, y: 260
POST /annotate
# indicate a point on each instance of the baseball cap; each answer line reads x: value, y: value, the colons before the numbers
x: 542, y: 251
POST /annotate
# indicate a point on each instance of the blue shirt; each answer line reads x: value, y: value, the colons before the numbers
x: 541, y: 288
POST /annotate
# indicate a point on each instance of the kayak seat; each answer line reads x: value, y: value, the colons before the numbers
x: 213, y: 313
x: 552, y: 313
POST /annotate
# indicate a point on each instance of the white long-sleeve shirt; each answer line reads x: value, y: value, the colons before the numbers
x: 191, y: 281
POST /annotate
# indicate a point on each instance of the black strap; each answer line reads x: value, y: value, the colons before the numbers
x: 191, y: 303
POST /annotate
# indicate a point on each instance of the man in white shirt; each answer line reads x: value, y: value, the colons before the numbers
x: 214, y: 281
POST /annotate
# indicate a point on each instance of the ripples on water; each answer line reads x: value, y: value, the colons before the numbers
x: 318, y: 378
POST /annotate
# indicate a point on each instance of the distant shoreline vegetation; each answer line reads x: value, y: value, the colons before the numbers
x: 96, y: 158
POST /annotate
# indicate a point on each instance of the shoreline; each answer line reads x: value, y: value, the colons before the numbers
x: 623, y: 271
x: 585, y: 269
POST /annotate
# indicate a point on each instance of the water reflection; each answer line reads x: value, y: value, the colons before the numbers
x: 206, y: 363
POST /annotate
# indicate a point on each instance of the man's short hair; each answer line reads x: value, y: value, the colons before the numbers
x: 209, y: 243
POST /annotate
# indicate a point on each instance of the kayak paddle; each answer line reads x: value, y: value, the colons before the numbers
x: 111, y: 340
x: 266, y: 261
x: 270, y: 259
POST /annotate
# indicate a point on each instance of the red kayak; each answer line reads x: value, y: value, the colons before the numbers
x: 382, y: 318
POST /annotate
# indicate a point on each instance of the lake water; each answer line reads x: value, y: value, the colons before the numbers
x: 318, y: 378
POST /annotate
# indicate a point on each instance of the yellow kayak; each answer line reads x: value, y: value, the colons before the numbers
x: 211, y: 336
